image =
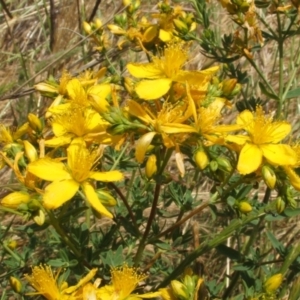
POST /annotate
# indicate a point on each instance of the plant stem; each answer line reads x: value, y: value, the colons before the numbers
x: 148, y: 226
x: 66, y: 239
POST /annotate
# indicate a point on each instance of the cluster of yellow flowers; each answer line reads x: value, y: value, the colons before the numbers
x: 124, y: 281
x: 167, y: 106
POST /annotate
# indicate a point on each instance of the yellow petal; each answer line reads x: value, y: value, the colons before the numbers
x: 48, y: 169
x: 58, y: 129
x: 250, y: 159
x: 138, y: 111
x: 59, y: 141
x: 177, y: 128
x: 245, y: 118
x: 75, y: 91
x: 144, y: 70
x: 193, y: 78
x: 153, y: 89
x: 98, y: 95
x: 281, y: 155
x: 59, y: 192
x: 93, y: 199
x: 277, y: 131
x: 238, y: 139
x: 165, y: 36
x: 109, y: 176
x: 142, y: 146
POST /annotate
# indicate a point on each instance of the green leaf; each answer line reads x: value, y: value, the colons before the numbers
x: 275, y: 243
x: 293, y: 93
x: 229, y: 252
x: 266, y: 92
x: 292, y: 212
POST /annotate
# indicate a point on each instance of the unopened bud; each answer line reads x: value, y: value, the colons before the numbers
x: 224, y: 164
x: 269, y: 176
x: 30, y: 151
x: 16, y: 284
x: 106, y: 198
x: 280, y: 205
x: 213, y: 165
x: 180, y: 26
x: 273, y: 283
x: 228, y: 86
x: 13, y: 200
x: 12, y: 244
x: 35, y: 123
x: 98, y: 23
x: 87, y: 27
x: 179, y: 290
x: 116, y: 29
x: 201, y: 159
x: 151, y: 167
x: 244, y: 207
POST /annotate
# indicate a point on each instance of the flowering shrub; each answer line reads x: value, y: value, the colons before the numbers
x: 109, y: 176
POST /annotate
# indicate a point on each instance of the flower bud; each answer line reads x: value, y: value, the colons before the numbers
x: 12, y: 244
x: 30, y: 151
x: 280, y: 205
x: 35, y: 123
x: 244, y: 207
x: 106, y: 198
x: 13, y: 200
x: 224, y: 164
x: 151, y: 167
x: 180, y: 26
x: 228, y: 86
x: 39, y: 218
x: 87, y: 27
x: 116, y: 29
x: 201, y: 159
x: 98, y: 23
x: 269, y: 176
x: 179, y: 290
x: 15, y: 284
x: 273, y: 283
x: 213, y: 165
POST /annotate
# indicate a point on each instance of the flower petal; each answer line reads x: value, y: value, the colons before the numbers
x: 245, y: 118
x: 176, y: 128
x: 142, y: 145
x: 237, y: 139
x: 250, y: 159
x: 109, y: 176
x: 277, y: 131
x: 138, y: 111
x: 59, y: 192
x: 280, y: 154
x: 153, y: 89
x: 48, y: 169
x: 93, y: 199
x: 59, y: 141
x: 294, y: 177
x: 144, y: 70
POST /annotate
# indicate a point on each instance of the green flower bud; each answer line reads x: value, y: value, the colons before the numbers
x: 106, y: 198
x: 280, y: 205
x: 224, y: 164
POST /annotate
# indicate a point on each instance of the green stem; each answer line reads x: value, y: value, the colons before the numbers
x: 280, y: 52
x: 209, y: 245
x: 66, y: 239
x: 262, y: 76
x: 148, y: 226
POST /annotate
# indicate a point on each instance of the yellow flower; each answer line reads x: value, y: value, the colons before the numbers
x: 76, y: 121
x: 167, y: 121
x: 262, y: 141
x: 165, y: 70
x: 45, y: 284
x: 70, y: 178
x: 124, y: 281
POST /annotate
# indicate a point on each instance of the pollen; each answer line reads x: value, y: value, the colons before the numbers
x: 43, y: 281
